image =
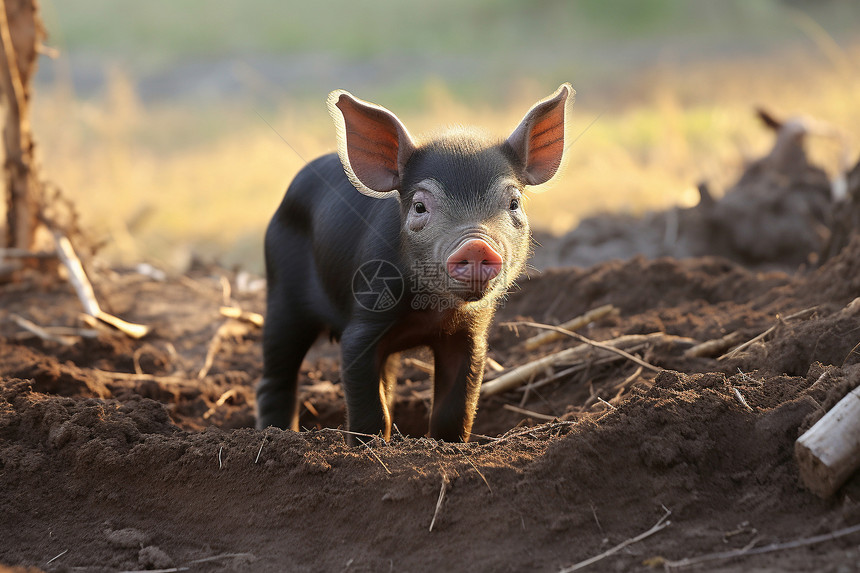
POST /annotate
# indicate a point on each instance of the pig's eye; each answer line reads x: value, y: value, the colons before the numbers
x: 420, y: 207
x: 515, y: 204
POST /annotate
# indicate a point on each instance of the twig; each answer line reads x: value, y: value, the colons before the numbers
x: 227, y: 329
x: 803, y: 542
x: 605, y: 403
x: 375, y: 455
x: 593, y: 343
x: 468, y: 459
x: 340, y: 431
x: 767, y: 332
x: 254, y: 318
x: 493, y: 365
x: 573, y: 324
x: 439, y: 501
x: 661, y: 524
x: 594, y: 513
x: 136, y: 359
x: 260, y: 451
x: 220, y: 402
x: 56, y: 557
x: 715, y: 346
x: 543, y: 427
x: 529, y: 413
x: 518, y: 376
x: 196, y: 561
x: 425, y: 367
x: 222, y: 556
x: 632, y: 378
x: 41, y: 332
x: 220, y: 465
x: 84, y: 289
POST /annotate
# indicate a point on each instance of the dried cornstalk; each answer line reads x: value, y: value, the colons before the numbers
x: 521, y: 374
x: 573, y: 324
x: 715, y: 346
x: 235, y: 312
x: 84, y: 289
x: 766, y: 333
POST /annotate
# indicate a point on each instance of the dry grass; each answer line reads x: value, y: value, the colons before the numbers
x: 164, y: 182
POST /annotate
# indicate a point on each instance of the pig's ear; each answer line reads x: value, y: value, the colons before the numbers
x: 539, y: 141
x: 372, y: 143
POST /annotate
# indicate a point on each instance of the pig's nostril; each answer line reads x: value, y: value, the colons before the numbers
x: 474, y: 262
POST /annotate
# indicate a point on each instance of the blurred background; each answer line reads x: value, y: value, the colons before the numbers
x: 177, y: 126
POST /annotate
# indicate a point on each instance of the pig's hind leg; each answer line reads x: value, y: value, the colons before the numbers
x: 287, y: 337
x: 290, y: 329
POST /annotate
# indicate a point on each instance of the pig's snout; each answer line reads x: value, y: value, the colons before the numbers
x: 475, y: 262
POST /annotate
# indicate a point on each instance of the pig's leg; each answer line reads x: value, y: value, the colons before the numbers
x: 387, y: 384
x: 362, y: 370
x: 459, y: 369
x: 287, y: 336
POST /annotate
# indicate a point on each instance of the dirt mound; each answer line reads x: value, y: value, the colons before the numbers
x: 119, y: 455
x: 780, y: 214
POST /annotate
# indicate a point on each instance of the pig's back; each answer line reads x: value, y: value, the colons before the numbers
x: 336, y: 229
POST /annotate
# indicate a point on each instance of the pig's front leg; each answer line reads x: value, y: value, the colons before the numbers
x: 459, y: 369
x: 361, y: 368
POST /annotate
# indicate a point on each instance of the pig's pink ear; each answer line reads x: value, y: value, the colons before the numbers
x: 372, y: 143
x: 541, y: 137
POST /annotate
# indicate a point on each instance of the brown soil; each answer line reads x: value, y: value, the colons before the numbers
x: 155, y: 468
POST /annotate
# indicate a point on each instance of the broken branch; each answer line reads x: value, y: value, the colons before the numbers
x: 767, y: 332
x: 594, y: 343
x: 661, y: 524
x: 521, y: 374
x: 573, y: 324
x: 530, y: 413
x: 84, y: 289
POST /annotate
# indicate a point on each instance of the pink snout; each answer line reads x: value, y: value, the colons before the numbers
x: 475, y: 262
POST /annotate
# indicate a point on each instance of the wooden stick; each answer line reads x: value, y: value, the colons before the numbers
x: 661, y: 524
x: 439, y: 501
x: 767, y: 332
x: 594, y: 343
x: 468, y: 459
x: 235, y: 312
x: 375, y: 455
x: 493, y: 365
x: 520, y: 375
x: 84, y: 289
x: 715, y: 346
x: 829, y: 452
x: 77, y: 276
x: 419, y: 364
x: 41, y: 332
x: 530, y: 413
x: 573, y: 324
x: 722, y: 555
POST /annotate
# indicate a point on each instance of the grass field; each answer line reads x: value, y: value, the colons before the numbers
x: 666, y: 94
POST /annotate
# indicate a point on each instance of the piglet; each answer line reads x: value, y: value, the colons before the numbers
x: 394, y: 243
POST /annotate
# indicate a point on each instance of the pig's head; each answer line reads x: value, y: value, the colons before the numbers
x: 465, y: 235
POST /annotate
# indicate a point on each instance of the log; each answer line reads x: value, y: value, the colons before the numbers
x: 829, y: 452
